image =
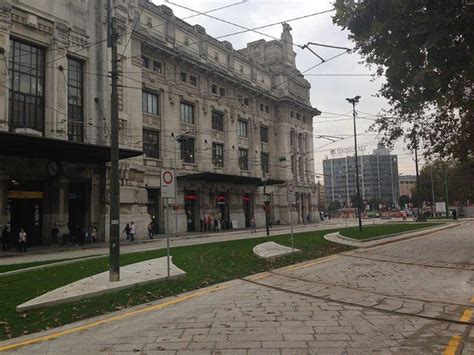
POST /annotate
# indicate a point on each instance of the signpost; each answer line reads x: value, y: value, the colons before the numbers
x: 291, y: 194
x: 168, y: 190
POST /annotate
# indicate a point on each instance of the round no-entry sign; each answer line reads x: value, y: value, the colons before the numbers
x: 167, y: 177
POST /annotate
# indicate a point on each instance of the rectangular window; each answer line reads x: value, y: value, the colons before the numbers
x: 298, y: 116
x: 301, y: 168
x: 243, y: 131
x: 246, y: 101
x: 151, y: 143
x: 150, y: 103
x: 218, y: 121
x: 292, y: 138
x: 75, y: 112
x: 222, y: 92
x: 214, y: 89
x: 267, y: 109
x: 193, y: 80
x: 183, y: 76
x: 145, y: 62
x: 187, y: 113
x: 244, y: 159
x: 264, y: 162
x: 218, y: 154
x: 187, y: 150
x: 264, y: 134
x: 293, y: 164
x: 261, y: 107
x: 292, y: 114
x: 240, y: 99
x: 26, y: 73
x: 157, y: 66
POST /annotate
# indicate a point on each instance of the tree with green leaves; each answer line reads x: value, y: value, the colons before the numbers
x: 425, y: 50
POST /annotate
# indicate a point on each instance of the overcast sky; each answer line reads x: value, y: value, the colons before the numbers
x: 328, y: 93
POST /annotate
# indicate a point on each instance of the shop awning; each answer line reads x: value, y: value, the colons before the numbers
x: 27, y: 146
x: 231, y: 179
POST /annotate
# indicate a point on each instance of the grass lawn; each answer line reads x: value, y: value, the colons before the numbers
x: 384, y: 229
x: 6, y: 268
x: 205, y: 265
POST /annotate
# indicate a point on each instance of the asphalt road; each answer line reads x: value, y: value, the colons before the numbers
x: 410, y: 297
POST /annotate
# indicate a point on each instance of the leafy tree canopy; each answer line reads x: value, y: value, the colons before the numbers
x: 425, y: 50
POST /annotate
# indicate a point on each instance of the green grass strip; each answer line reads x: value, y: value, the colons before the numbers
x: 13, y: 267
x: 384, y: 229
x: 205, y: 264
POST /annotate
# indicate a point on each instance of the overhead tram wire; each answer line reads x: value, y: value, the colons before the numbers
x: 105, y: 39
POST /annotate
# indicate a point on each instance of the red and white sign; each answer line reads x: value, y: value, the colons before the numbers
x: 168, y: 184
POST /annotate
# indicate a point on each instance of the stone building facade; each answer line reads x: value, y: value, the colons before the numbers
x: 239, y: 121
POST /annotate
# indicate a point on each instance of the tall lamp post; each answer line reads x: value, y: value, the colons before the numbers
x: 354, y: 101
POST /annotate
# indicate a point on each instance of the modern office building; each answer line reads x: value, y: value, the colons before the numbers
x: 378, y: 178
x: 243, y: 118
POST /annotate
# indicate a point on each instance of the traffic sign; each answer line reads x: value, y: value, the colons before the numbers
x: 168, y: 184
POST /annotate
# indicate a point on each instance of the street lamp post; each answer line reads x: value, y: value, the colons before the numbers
x: 354, y: 101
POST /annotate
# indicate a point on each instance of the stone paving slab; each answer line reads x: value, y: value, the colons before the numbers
x: 271, y: 250
x: 130, y: 275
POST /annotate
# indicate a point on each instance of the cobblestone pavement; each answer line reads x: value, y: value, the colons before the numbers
x: 409, y: 297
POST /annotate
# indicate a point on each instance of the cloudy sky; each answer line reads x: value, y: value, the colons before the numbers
x: 328, y: 93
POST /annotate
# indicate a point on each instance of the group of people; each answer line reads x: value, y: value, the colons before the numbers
x: 210, y: 224
x: 79, y: 235
x: 130, y: 230
x: 8, y: 238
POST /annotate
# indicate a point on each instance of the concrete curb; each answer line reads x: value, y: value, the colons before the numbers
x: 385, y: 239
x: 272, y: 250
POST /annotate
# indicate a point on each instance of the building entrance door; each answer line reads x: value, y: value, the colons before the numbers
x: 190, y: 208
x: 26, y: 212
x: 154, y: 209
x: 223, y: 209
x: 77, y: 208
x: 247, y: 206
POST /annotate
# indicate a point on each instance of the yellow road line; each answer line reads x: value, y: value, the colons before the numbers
x: 110, y: 319
x: 452, y: 345
x: 297, y: 267
x: 466, y: 316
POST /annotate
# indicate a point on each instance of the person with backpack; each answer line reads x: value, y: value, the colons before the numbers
x: 126, y: 230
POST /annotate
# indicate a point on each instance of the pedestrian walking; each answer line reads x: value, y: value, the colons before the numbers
x: 209, y: 223
x: 22, y: 240
x: 82, y: 236
x: 126, y: 230
x: 455, y: 215
x: 5, y: 238
x: 150, y: 230
x: 54, y: 235
x: 132, y: 231
x: 93, y: 232
x: 253, y: 225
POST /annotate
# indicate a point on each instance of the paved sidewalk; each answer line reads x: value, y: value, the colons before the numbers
x: 159, y: 243
x: 390, y: 299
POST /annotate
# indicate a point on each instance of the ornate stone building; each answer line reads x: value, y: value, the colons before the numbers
x: 239, y: 121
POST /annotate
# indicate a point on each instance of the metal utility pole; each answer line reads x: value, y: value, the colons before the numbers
x: 353, y: 101
x: 433, y: 203
x: 446, y: 190
x: 266, y: 204
x: 418, y: 194
x: 114, y: 254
